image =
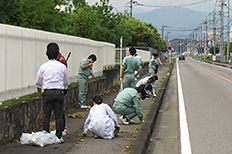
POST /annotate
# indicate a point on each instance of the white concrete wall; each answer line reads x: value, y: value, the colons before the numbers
x: 23, y: 51
x: 145, y: 55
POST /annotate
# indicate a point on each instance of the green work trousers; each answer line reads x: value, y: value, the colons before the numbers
x: 83, y: 88
x: 128, y: 80
x: 128, y: 112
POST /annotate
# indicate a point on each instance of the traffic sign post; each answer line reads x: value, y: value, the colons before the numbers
x: 169, y: 44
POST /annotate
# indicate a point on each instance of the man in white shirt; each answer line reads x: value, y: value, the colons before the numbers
x: 147, y: 81
x: 53, y: 76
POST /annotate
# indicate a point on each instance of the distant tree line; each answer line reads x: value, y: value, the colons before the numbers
x: 97, y: 22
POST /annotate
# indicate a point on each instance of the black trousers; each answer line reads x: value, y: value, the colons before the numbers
x: 156, y: 69
x: 53, y: 100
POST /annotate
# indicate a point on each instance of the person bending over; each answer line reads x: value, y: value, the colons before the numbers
x: 127, y: 103
x: 84, y: 72
x: 147, y: 81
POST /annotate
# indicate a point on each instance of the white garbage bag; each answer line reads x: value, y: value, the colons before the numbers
x: 40, y: 138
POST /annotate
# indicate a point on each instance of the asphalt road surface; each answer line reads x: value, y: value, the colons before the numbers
x: 207, y: 91
x: 204, y: 111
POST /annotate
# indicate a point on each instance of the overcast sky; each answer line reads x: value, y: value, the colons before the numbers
x: 206, y: 6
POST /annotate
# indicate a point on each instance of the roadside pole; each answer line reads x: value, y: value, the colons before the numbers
x: 121, y: 52
x: 121, y: 61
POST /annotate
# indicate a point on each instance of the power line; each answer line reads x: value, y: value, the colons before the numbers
x: 181, y: 5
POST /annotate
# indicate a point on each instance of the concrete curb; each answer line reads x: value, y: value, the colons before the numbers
x: 142, y: 141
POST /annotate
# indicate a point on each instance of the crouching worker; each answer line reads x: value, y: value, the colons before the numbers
x: 147, y: 81
x: 127, y: 103
x: 101, y: 120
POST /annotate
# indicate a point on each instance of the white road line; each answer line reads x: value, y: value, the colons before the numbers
x: 184, y: 133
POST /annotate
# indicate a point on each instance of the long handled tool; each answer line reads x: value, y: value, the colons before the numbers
x: 40, y: 115
x: 68, y: 56
x: 93, y: 87
x: 121, y: 85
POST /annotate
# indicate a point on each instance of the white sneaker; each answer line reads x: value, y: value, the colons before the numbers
x: 132, y: 121
x: 124, y: 120
x: 154, y: 95
x: 64, y: 133
x: 59, y: 140
x: 84, y: 107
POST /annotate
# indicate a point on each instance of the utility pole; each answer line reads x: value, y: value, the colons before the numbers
x: 131, y: 8
x: 201, y: 39
x: 204, y: 33
x: 193, y: 41
x: 163, y: 26
x: 214, y: 34
x: 221, y: 37
x: 167, y: 36
x: 228, y: 32
x: 196, y: 40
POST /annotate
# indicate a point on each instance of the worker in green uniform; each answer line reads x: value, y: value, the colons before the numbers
x: 127, y: 103
x: 129, y: 66
x: 84, y: 71
x: 152, y: 67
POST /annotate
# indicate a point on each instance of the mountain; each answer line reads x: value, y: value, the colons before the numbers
x: 179, y: 21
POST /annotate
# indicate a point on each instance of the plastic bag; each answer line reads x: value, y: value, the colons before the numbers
x: 40, y: 138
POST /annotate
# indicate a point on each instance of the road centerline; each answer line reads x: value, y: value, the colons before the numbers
x: 214, y: 73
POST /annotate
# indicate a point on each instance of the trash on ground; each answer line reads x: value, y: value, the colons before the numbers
x: 77, y: 115
x: 40, y: 138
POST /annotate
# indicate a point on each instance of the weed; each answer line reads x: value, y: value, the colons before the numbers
x: 20, y: 99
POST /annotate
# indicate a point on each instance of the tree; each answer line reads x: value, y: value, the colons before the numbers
x: 96, y: 22
x: 9, y: 11
x: 230, y: 49
x: 37, y: 14
x: 211, y: 49
x: 79, y: 3
x: 85, y: 22
x: 143, y: 36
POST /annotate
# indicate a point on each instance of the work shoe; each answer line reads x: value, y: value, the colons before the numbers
x: 84, y: 107
x: 59, y: 140
x: 124, y: 120
x: 64, y: 133
x: 116, y: 130
x: 132, y: 121
x: 96, y: 137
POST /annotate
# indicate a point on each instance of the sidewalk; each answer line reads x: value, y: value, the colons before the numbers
x: 76, y: 143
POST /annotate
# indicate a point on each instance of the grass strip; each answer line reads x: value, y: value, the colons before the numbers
x: 20, y: 99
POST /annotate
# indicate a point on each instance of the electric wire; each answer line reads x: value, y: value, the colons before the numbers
x: 175, y: 6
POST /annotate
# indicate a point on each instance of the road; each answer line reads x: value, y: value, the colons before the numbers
x: 206, y: 105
